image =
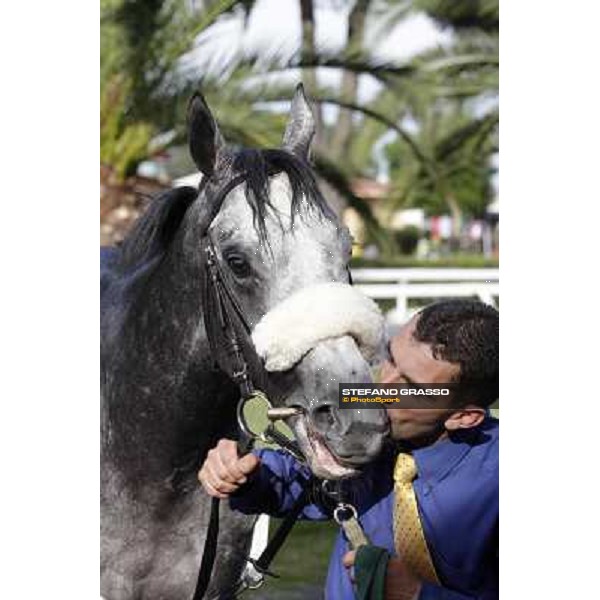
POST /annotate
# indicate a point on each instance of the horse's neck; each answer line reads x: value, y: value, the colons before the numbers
x: 161, y: 391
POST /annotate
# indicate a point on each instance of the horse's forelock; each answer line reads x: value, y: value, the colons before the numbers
x: 258, y: 166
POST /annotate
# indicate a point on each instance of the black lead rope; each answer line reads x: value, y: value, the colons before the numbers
x: 209, y: 554
x: 210, y: 551
x: 263, y: 562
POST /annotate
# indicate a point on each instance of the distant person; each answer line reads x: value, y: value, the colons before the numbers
x: 423, y: 247
x: 429, y: 504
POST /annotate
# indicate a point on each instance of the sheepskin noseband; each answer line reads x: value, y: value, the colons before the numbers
x: 314, y: 314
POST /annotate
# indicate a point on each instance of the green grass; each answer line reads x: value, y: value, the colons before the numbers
x: 301, y: 563
x: 305, y: 555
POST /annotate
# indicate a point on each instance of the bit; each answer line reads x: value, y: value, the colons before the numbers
x: 275, y: 414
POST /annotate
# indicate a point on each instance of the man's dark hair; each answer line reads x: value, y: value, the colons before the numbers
x: 465, y: 332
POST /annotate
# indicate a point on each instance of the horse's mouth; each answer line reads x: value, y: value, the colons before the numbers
x: 322, y: 462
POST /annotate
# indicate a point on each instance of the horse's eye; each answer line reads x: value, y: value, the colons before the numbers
x: 238, y: 265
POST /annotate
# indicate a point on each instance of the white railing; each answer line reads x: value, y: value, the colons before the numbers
x: 402, y: 285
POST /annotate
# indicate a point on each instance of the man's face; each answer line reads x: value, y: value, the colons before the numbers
x: 412, y: 361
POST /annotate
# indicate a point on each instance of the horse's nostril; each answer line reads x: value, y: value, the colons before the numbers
x: 323, y: 417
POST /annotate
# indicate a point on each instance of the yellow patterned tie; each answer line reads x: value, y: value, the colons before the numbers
x: 408, y: 532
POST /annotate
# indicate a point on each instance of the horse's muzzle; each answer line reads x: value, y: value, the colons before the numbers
x: 335, y: 439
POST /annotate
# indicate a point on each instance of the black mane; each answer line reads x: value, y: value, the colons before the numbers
x: 150, y: 237
x: 154, y: 230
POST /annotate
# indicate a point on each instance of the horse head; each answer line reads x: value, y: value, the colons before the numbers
x: 285, y: 255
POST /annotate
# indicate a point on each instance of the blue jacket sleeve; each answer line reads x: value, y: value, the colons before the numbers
x: 274, y: 487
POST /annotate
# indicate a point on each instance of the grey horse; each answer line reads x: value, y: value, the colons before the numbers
x: 164, y: 402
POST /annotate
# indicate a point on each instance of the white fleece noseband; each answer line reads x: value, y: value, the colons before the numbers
x: 314, y: 314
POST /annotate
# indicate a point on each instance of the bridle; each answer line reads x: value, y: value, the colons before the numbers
x: 227, y: 328
x: 229, y: 336
x: 230, y: 341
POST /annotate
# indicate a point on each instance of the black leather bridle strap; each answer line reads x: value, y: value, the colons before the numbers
x: 229, y: 337
x: 230, y: 340
x: 227, y: 328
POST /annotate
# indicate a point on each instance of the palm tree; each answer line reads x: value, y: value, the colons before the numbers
x: 456, y: 142
x: 142, y: 42
x: 432, y: 90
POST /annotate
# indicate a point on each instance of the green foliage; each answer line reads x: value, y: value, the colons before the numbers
x: 441, y: 163
x: 456, y: 261
x: 407, y: 239
x: 142, y: 42
x: 460, y: 148
x: 122, y: 145
x: 465, y: 14
x: 451, y: 171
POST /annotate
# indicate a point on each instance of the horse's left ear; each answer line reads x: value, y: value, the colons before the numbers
x: 301, y: 126
x: 205, y: 139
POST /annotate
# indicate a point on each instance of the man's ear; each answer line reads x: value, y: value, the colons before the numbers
x: 205, y: 139
x: 465, y: 418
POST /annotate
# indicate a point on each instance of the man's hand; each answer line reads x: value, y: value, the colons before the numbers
x: 400, y: 583
x: 224, y: 471
x: 348, y: 561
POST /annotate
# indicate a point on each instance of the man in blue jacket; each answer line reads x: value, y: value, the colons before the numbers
x: 431, y: 499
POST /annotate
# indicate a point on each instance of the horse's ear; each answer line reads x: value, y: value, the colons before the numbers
x: 205, y: 139
x: 301, y: 125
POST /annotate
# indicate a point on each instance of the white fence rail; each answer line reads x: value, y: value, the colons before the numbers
x: 403, y: 285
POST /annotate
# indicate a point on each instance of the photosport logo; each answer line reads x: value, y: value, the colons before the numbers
x: 402, y: 395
